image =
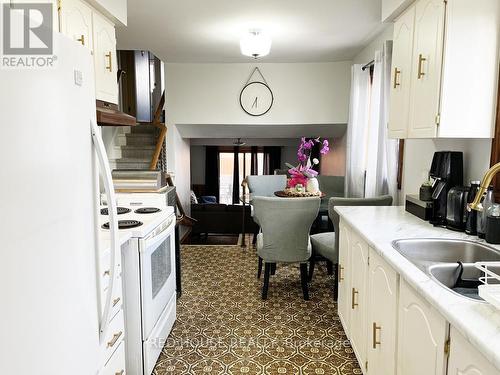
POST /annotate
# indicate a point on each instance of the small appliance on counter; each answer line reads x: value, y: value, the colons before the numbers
x: 456, y: 208
x: 418, y: 207
x: 447, y: 172
x: 493, y: 224
x: 471, y: 220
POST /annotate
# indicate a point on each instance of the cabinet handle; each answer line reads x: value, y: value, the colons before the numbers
x: 109, y: 67
x: 121, y: 372
x: 421, y: 59
x: 106, y: 273
x: 81, y: 40
x: 341, y: 273
x: 353, y: 302
x: 116, y: 300
x: 115, y: 338
x: 397, y: 72
x: 375, y: 329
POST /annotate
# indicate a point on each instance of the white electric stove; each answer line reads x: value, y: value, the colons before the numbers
x: 149, y: 282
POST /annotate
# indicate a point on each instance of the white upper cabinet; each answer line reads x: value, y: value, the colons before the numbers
x: 76, y: 21
x: 426, y: 68
x: 401, y: 73
x: 105, y: 59
x: 382, y: 316
x: 470, y: 69
x: 465, y: 359
x: 422, y: 334
x: 454, y: 70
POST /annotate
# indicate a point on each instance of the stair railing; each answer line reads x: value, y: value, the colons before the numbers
x: 163, y: 133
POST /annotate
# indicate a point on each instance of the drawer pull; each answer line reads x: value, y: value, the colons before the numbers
x: 106, y: 273
x: 121, y: 372
x: 109, y: 66
x: 374, y: 336
x: 421, y: 73
x: 341, y: 273
x: 81, y: 40
x: 354, y: 303
x: 115, y: 338
x: 116, y: 300
x: 397, y: 72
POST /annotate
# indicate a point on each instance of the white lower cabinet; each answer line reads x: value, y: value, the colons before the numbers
x: 393, y: 330
x: 465, y: 359
x: 344, y: 276
x: 359, y: 265
x: 422, y: 335
x: 382, y: 316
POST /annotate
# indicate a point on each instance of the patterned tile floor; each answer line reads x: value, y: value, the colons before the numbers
x: 223, y: 326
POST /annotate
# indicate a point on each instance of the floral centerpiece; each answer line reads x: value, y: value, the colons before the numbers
x: 303, y: 175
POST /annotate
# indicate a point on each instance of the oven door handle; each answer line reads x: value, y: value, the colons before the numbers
x: 113, y: 225
x: 152, y: 242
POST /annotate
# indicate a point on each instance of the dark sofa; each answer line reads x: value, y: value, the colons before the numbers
x: 221, y: 219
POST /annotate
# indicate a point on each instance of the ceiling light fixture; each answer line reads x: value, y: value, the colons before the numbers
x: 256, y: 44
x: 239, y: 142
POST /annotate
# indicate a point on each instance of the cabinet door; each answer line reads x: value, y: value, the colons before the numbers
x: 76, y: 22
x: 465, y: 359
x: 422, y: 333
x: 344, y: 299
x: 401, y: 73
x: 359, y: 267
x: 105, y: 59
x: 382, y: 316
x: 426, y: 68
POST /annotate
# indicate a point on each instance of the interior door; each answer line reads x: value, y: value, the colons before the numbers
x: 422, y: 334
x: 76, y: 22
x: 426, y: 68
x: 382, y: 316
x: 359, y: 267
x: 344, y: 275
x: 105, y: 59
x: 401, y: 73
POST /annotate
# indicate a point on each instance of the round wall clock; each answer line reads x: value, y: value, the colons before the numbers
x: 256, y: 98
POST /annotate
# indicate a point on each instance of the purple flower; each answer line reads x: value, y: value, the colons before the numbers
x: 325, y: 147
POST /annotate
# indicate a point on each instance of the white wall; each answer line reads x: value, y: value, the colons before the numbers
x: 368, y: 53
x: 419, y: 152
x: 308, y: 93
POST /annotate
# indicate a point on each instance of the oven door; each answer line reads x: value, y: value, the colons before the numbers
x: 157, y: 257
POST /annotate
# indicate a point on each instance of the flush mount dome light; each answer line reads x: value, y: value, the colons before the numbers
x: 239, y: 142
x: 256, y: 44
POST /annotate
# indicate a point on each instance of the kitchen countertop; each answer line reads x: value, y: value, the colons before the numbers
x: 379, y: 226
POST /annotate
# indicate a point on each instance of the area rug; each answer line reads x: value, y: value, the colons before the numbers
x: 223, y: 326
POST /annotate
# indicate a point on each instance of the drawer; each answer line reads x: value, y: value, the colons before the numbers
x: 114, y: 336
x: 116, y: 364
x: 104, y: 272
x: 116, y: 299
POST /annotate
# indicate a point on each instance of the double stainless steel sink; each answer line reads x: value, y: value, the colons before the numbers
x: 439, y: 258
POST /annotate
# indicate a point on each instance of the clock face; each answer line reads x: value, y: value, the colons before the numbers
x: 256, y: 98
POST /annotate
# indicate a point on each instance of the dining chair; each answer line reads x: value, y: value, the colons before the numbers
x: 264, y: 186
x: 326, y: 245
x: 284, y: 238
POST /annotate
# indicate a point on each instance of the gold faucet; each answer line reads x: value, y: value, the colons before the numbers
x: 477, y: 205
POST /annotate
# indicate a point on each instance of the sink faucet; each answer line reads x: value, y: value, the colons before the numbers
x: 477, y: 205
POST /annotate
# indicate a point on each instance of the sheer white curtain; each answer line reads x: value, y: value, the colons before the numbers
x: 382, y: 152
x: 359, y: 109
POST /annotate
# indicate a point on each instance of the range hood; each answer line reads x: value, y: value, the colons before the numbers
x: 108, y: 114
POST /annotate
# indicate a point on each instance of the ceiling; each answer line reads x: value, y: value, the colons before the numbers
x: 203, y: 31
x: 255, y: 131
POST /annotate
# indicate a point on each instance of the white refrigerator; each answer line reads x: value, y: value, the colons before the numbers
x: 50, y: 318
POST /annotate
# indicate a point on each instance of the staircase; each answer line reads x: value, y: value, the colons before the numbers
x: 136, y: 147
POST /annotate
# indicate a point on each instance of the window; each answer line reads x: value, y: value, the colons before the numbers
x: 226, y: 172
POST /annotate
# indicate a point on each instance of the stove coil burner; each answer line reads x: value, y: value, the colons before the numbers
x: 147, y: 210
x: 120, y: 210
x: 124, y: 224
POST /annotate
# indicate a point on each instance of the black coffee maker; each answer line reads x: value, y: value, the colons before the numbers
x: 447, y: 170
